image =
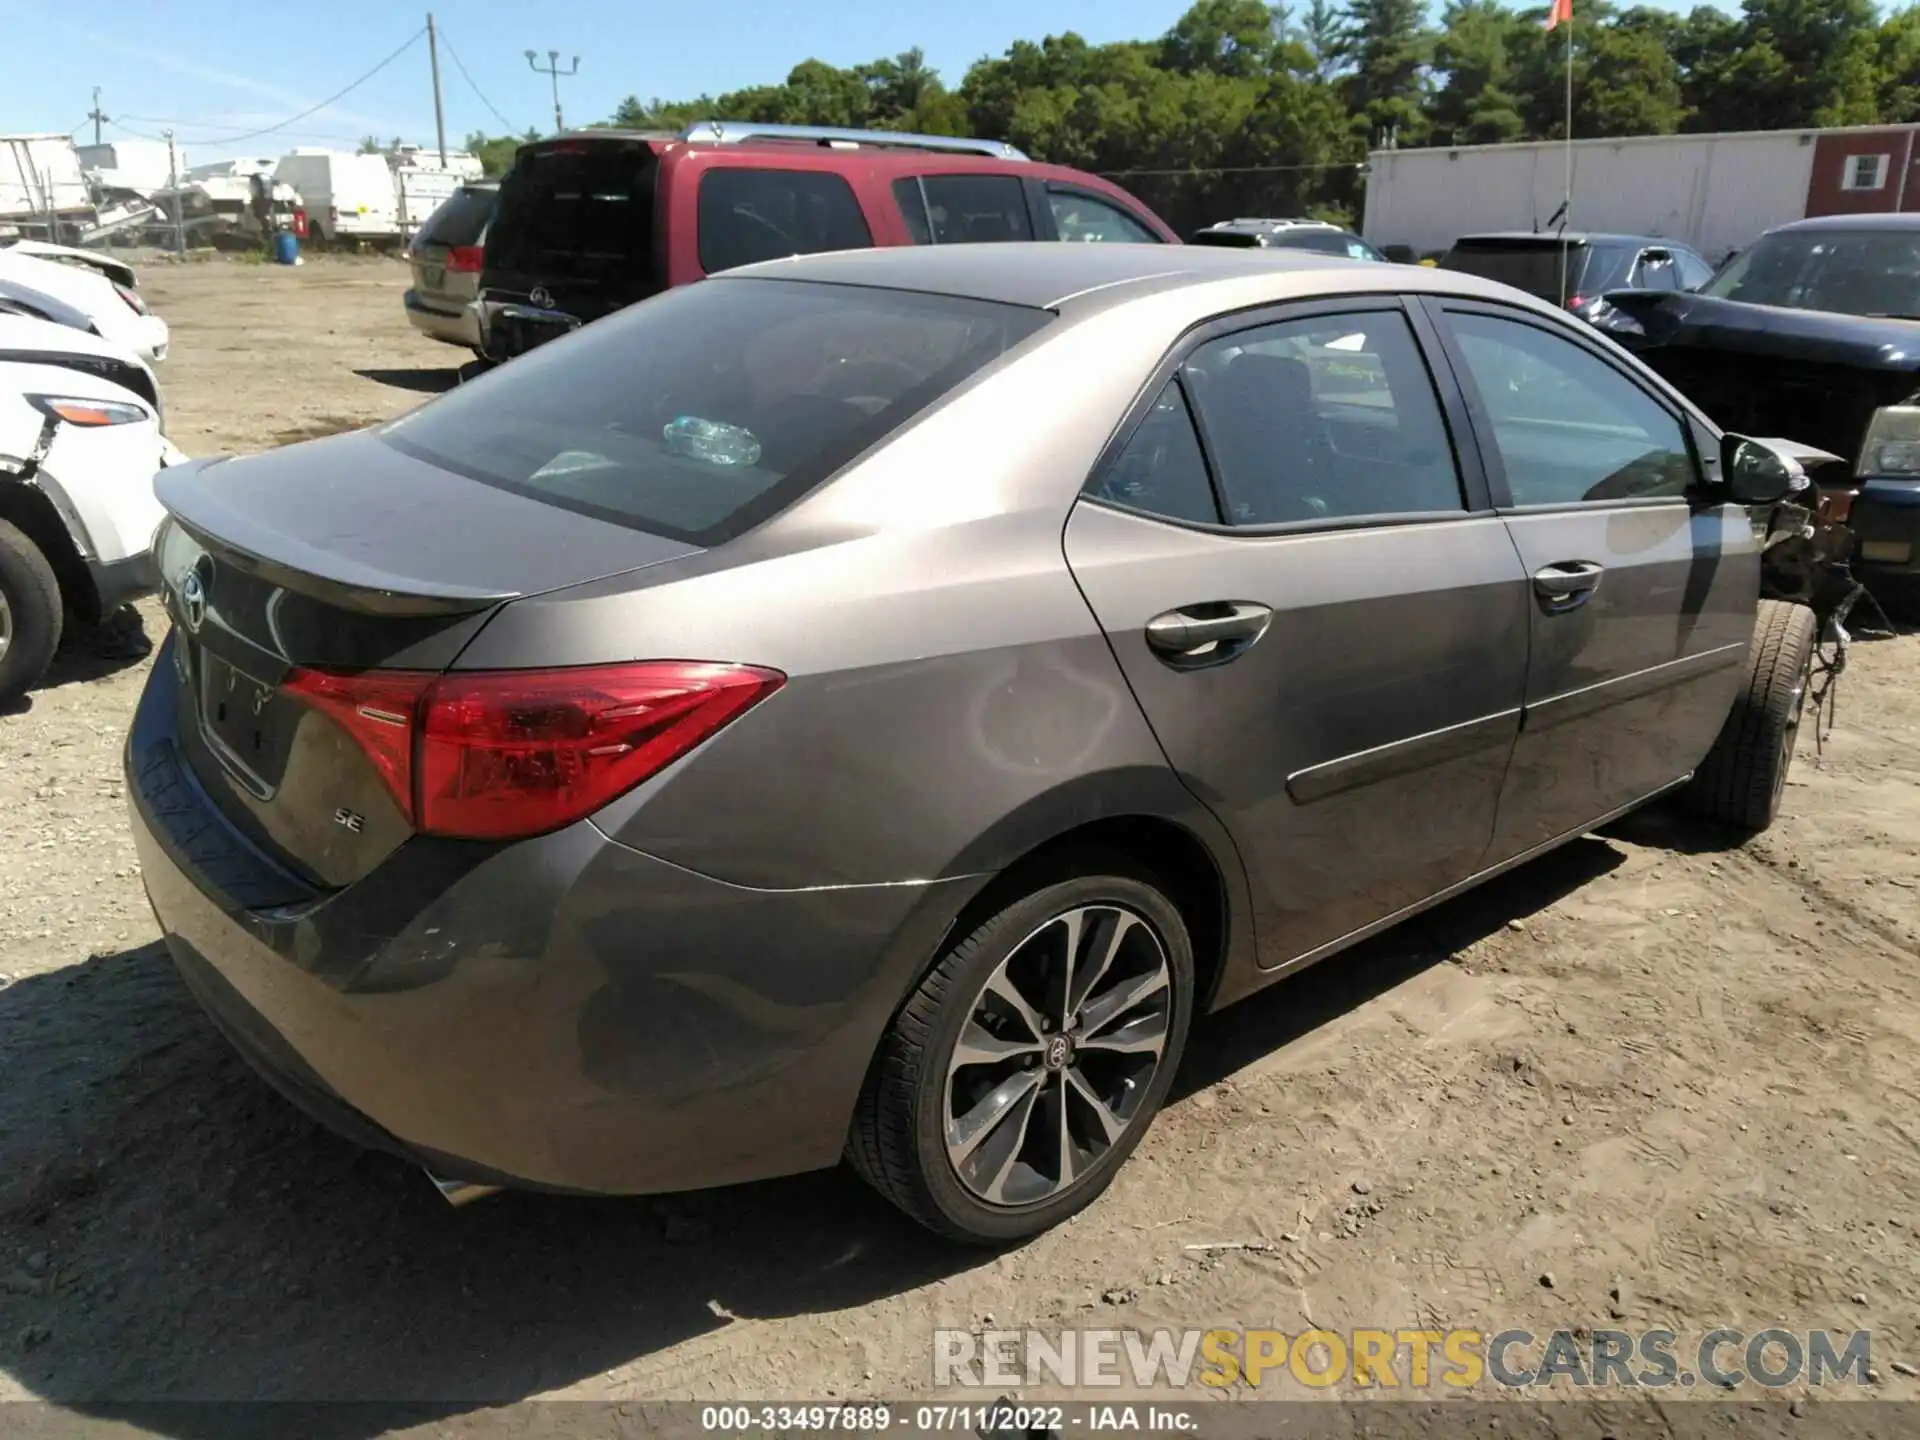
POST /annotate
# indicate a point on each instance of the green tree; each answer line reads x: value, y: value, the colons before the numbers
x: 495, y: 152
x: 1222, y: 37
x: 1897, y: 65
x: 1386, y: 90
x: 1476, y: 103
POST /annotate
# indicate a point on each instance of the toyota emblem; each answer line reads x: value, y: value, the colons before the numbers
x: 540, y: 297
x: 193, y: 600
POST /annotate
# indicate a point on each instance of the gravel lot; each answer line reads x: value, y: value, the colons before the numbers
x: 1647, y: 1080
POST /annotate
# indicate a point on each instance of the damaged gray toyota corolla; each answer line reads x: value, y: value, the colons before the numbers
x: 869, y: 704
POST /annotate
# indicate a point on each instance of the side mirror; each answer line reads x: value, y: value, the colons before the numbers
x: 1756, y: 472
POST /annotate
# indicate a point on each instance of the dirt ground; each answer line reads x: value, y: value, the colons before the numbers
x: 1650, y: 1079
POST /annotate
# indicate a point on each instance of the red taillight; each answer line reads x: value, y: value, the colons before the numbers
x: 503, y: 754
x: 379, y: 709
x: 132, y: 297
x: 1575, y: 302
x: 465, y: 259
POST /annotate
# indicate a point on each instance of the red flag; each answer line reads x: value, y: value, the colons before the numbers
x: 1560, y: 14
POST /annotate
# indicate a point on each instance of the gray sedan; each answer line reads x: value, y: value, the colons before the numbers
x: 868, y: 705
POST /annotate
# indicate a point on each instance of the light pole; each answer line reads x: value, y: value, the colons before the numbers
x: 554, y: 72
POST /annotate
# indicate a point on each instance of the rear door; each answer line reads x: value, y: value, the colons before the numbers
x: 1292, y: 553
x: 1642, y: 597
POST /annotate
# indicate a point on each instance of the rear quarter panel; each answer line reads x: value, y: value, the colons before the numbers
x: 951, y: 700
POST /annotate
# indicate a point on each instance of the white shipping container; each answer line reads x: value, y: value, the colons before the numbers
x: 1714, y: 192
x: 135, y: 164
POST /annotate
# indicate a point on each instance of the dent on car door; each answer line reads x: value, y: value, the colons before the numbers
x: 1328, y: 640
x: 1642, y: 594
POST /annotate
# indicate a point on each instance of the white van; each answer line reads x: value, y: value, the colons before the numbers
x: 347, y: 196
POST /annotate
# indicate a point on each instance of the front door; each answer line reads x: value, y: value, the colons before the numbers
x: 1642, y: 596
x: 1325, y: 626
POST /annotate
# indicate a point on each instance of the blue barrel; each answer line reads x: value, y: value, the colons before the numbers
x: 286, y: 249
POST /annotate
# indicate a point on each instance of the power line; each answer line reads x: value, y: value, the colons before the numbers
x: 411, y: 41
x: 1233, y: 169
x: 461, y: 67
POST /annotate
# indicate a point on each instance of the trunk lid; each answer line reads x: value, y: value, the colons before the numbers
x: 340, y: 556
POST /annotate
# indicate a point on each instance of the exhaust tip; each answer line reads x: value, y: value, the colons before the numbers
x: 461, y: 1192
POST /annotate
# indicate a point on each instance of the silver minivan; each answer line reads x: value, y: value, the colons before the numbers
x: 445, y: 255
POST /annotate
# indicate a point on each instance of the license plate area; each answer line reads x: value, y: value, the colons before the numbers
x: 245, y: 722
x: 521, y: 333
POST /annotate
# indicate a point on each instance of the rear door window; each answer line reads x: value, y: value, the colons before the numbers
x: 710, y: 407
x: 1078, y: 216
x: 1162, y: 471
x: 747, y: 216
x: 1329, y: 418
x: 963, y: 209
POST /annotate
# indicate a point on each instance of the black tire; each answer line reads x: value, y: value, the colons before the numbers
x: 898, y: 1138
x: 31, y: 625
x: 1741, y: 780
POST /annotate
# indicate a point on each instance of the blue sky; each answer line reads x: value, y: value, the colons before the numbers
x: 213, y: 69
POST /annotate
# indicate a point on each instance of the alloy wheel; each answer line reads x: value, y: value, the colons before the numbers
x: 6, y: 625
x: 1057, y: 1055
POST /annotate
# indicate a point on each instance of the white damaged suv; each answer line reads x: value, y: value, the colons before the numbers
x: 79, y: 447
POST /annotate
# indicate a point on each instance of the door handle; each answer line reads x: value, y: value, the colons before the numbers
x: 1567, y: 585
x: 1210, y: 633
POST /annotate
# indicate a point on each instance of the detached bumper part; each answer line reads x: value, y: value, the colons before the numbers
x: 117, y: 582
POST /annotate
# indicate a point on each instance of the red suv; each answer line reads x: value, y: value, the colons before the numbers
x: 594, y: 220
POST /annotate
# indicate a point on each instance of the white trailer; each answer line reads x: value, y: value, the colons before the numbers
x: 1716, y: 193
x: 41, y: 182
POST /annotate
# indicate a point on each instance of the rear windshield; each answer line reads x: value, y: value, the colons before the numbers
x: 1534, y: 266
x: 1236, y: 239
x: 1858, y: 272
x: 1326, y: 242
x: 576, y: 210
x: 699, y: 413
x: 461, y: 218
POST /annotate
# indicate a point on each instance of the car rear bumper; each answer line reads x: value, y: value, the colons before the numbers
x: 563, y: 1013
x: 440, y: 322
x: 1885, y: 520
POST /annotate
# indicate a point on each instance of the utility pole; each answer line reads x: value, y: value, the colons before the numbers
x: 96, y: 115
x: 552, y: 68
x: 173, y: 184
x: 439, y: 116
